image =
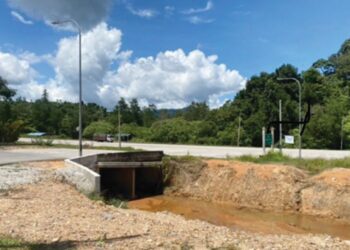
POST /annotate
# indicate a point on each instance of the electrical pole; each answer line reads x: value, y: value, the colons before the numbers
x: 300, y: 119
x: 280, y: 125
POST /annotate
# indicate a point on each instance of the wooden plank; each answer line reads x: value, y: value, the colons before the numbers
x: 128, y: 164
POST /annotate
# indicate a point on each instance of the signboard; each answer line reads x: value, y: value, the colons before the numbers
x: 289, y: 139
x: 268, y: 139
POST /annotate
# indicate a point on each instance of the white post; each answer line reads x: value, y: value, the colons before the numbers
x: 280, y: 125
x: 272, y: 138
x: 263, y: 140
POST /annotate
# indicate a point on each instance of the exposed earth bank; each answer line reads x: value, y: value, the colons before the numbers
x: 268, y: 187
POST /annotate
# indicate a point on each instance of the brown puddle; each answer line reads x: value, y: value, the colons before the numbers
x: 245, y: 219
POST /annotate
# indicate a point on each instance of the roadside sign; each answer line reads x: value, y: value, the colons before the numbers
x: 268, y: 139
x: 289, y: 139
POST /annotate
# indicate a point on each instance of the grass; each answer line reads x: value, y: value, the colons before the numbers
x: 314, y: 166
x: 8, y: 243
x: 119, y: 203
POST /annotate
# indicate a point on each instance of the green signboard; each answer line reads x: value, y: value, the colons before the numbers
x: 268, y: 139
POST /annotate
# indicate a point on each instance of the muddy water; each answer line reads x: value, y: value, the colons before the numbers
x: 250, y: 220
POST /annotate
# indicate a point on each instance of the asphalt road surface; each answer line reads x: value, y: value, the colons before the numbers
x: 210, y: 151
x: 12, y: 154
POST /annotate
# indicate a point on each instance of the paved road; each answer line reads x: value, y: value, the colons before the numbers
x: 212, y: 151
x: 12, y: 155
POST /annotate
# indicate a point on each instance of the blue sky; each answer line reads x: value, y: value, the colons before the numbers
x: 248, y: 36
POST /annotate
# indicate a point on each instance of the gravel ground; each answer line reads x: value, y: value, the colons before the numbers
x: 55, y: 214
x: 14, y: 175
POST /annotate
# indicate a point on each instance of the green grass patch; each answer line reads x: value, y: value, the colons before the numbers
x: 314, y: 166
x: 8, y: 243
x: 119, y: 203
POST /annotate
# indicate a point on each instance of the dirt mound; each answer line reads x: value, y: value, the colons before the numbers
x: 270, y: 187
x: 328, y: 195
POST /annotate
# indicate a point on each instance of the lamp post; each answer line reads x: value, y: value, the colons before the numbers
x: 76, y: 24
x: 299, y: 85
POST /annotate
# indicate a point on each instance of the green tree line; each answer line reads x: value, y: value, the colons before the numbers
x: 325, y: 85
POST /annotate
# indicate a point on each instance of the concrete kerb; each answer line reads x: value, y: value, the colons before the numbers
x: 85, y: 179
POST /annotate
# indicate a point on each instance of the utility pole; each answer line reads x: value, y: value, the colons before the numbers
x: 300, y: 119
x: 239, y: 129
x: 119, y: 135
x: 280, y: 125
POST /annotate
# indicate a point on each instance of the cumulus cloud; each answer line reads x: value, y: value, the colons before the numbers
x: 15, y: 70
x: 21, y: 76
x: 190, y: 11
x: 100, y: 48
x: 172, y: 79
x: 87, y: 12
x: 20, y: 18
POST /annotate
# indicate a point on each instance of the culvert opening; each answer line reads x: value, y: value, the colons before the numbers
x: 130, y: 176
x: 131, y: 183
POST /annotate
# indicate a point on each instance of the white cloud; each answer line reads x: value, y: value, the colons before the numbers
x: 199, y: 20
x: 145, y: 13
x: 172, y: 79
x: 100, y: 48
x: 15, y: 70
x: 208, y: 7
x: 20, y: 18
x: 87, y: 13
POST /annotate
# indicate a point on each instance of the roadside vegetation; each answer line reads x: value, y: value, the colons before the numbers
x: 314, y: 166
x: 8, y: 243
x: 326, y: 86
x: 119, y: 203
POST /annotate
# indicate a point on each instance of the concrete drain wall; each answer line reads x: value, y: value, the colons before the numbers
x: 126, y: 175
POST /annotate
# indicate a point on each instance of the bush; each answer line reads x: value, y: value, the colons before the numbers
x: 10, y: 131
x: 42, y: 141
x: 100, y: 127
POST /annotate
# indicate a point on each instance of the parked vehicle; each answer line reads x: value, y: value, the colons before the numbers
x: 103, y: 138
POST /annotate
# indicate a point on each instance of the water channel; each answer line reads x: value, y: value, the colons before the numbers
x: 244, y: 219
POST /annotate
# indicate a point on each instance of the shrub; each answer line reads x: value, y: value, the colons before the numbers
x: 100, y: 127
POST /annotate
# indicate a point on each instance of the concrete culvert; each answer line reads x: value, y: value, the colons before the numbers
x: 128, y: 175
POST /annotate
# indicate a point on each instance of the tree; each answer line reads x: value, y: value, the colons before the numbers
x: 9, y: 126
x: 135, y: 112
x: 100, y: 127
x: 149, y: 115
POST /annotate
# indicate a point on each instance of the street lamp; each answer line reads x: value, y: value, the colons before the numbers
x: 299, y: 85
x: 76, y: 24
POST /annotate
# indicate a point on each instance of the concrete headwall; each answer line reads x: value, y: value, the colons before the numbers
x: 88, y: 161
x: 85, y: 179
